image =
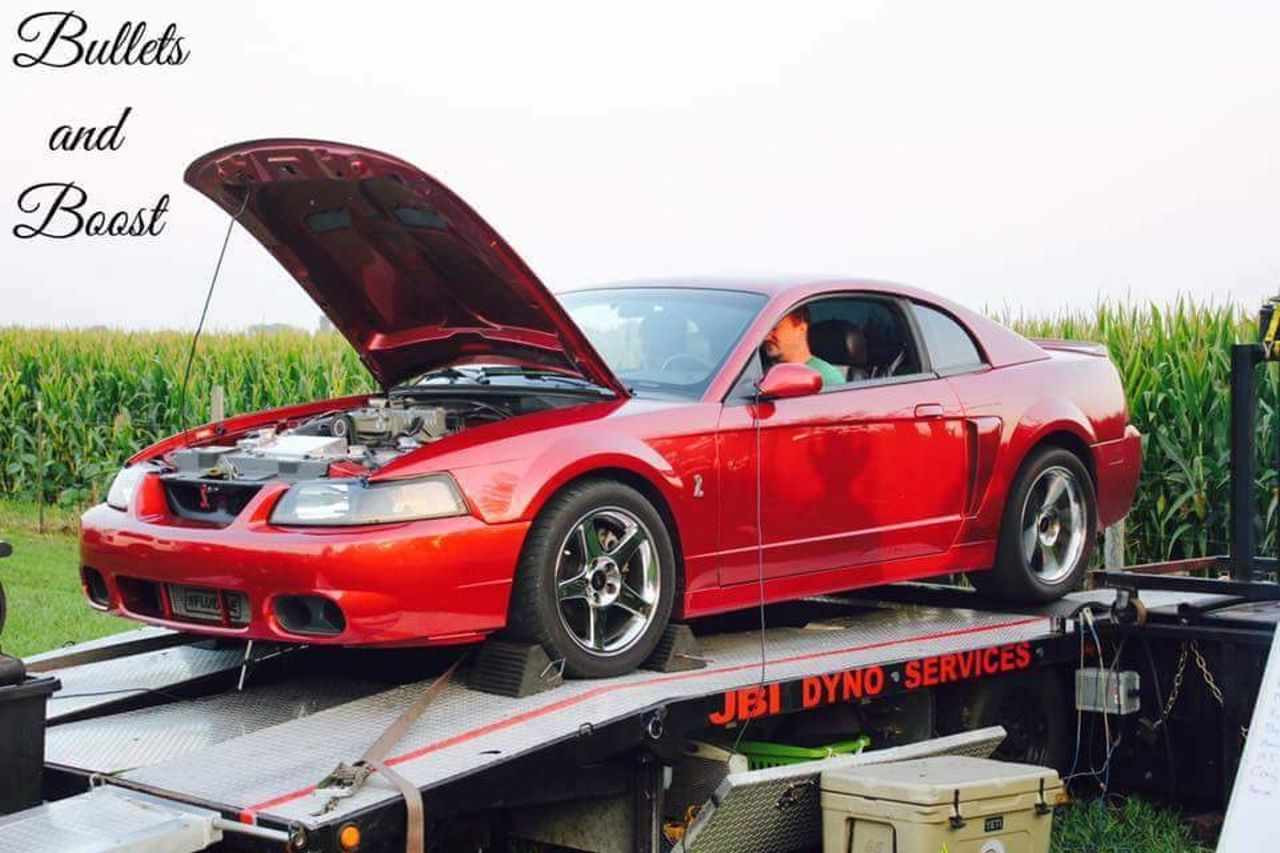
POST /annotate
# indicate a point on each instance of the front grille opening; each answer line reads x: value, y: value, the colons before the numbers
x: 141, y: 597
x: 212, y: 501
x: 95, y: 586
x: 309, y: 614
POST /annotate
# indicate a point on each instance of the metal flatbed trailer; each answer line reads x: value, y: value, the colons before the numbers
x: 230, y: 740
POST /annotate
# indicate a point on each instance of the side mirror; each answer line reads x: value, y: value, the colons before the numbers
x: 5, y: 548
x: 789, y: 380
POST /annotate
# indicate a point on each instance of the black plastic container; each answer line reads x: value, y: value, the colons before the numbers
x: 22, y: 707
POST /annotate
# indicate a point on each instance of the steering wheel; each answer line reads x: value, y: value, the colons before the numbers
x: 698, y: 363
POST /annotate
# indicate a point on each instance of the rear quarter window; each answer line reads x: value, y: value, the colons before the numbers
x: 951, y: 347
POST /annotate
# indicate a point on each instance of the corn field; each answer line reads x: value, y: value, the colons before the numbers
x: 1175, y: 362
x: 103, y: 394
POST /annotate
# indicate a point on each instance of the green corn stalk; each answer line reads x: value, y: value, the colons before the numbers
x: 107, y: 393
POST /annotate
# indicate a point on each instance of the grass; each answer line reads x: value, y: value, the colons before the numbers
x: 46, y: 608
x: 1124, y: 826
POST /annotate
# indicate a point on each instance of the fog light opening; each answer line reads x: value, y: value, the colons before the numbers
x: 95, y: 586
x: 140, y: 596
x: 309, y: 614
x: 331, y: 616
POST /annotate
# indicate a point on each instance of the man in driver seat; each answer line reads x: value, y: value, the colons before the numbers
x: 789, y: 341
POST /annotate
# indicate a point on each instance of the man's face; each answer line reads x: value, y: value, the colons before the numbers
x: 788, y: 340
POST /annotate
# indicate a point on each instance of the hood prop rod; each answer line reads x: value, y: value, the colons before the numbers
x: 191, y: 353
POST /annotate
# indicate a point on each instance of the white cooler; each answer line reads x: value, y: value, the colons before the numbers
x: 948, y: 804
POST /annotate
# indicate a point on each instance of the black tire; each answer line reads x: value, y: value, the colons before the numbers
x: 1017, y: 579
x: 538, y: 614
x: 1032, y: 707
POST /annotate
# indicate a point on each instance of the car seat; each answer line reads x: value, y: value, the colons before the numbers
x: 842, y: 344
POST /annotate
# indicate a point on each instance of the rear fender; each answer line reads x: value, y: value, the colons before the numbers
x: 1038, y: 424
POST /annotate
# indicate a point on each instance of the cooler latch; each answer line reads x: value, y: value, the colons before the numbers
x: 957, y: 820
x: 1043, y: 807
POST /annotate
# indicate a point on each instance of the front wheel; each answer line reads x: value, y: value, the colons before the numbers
x: 596, y: 580
x: 1047, y: 531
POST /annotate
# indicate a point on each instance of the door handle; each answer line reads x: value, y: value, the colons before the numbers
x: 929, y: 410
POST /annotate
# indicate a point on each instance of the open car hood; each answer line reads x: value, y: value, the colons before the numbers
x: 406, y: 270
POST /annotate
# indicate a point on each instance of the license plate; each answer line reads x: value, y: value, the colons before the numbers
x: 195, y: 603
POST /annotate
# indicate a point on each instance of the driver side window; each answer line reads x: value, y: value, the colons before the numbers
x: 862, y: 339
x: 867, y: 338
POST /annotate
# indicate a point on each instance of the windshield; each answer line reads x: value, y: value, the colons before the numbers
x: 663, y: 341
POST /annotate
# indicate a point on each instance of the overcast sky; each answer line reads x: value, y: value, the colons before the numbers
x: 1019, y: 155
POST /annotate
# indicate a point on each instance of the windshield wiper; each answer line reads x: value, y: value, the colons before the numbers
x: 482, y: 375
x: 452, y: 374
x: 538, y: 375
x: 535, y: 373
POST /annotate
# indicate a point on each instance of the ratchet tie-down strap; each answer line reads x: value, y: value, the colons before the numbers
x: 346, y: 779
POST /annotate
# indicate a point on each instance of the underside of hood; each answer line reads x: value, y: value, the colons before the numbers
x: 406, y: 270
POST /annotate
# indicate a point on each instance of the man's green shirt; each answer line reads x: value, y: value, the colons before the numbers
x: 831, y: 375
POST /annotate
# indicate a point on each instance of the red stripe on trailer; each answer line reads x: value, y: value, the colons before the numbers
x: 249, y: 814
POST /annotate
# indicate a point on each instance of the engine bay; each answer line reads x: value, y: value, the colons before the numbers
x: 340, y: 443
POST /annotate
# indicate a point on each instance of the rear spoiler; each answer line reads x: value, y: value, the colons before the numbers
x: 1081, y: 347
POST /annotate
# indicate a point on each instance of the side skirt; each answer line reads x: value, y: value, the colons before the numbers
x: 967, y: 557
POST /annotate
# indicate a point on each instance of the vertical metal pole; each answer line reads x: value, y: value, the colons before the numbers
x: 40, y: 463
x: 1113, y: 547
x: 1275, y: 429
x: 217, y: 404
x: 1244, y: 386
x: 646, y: 799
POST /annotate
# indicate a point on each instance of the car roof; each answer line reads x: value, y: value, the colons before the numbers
x: 769, y: 285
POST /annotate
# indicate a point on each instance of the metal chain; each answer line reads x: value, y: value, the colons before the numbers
x: 1177, y: 686
x: 1209, y: 681
x: 1213, y: 685
x: 1204, y: 671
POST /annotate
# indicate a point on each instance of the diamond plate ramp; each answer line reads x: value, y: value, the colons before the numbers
x: 108, y: 745
x: 144, y: 639
x: 271, y: 772
x: 97, y: 685
x: 109, y: 820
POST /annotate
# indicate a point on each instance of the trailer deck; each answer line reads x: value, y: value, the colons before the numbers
x: 218, y: 739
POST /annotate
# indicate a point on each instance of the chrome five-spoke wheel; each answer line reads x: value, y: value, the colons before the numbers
x: 597, y: 579
x: 1047, y: 530
x: 1053, y: 524
x: 608, y: 580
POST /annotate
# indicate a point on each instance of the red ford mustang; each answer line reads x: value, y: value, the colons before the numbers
x: 580, y: 471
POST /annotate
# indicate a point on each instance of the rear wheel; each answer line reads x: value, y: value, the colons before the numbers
x: 596, y: 580
x: 1047, y: 531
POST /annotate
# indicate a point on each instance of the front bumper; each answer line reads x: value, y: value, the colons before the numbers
x: 413, y: 583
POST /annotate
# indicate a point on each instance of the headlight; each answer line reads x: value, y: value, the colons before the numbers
x: 125, y: 484
x: 340, y: 502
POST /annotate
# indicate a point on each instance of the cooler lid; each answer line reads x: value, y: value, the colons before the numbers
x: 934, y: 781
